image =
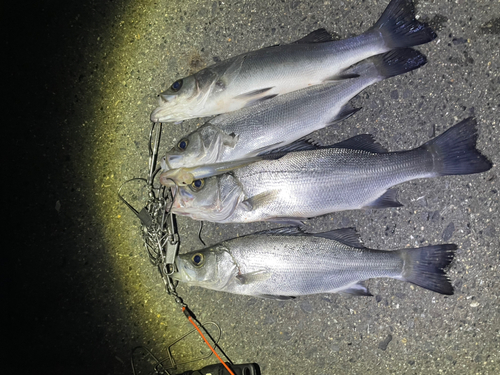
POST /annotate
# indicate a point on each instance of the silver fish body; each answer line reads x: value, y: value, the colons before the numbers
x: 246, y: 79
x: 278, y: 122
x: 305, y: 184
x: 286, y: 263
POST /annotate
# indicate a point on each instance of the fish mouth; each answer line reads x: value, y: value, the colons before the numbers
x: 181, y: 198
x: 158, y: 116
x: 165, y: 113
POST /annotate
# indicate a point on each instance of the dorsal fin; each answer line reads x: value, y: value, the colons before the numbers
x: 316, y: 36
x: 286, y: 231
x: 364, y: 142
x: 347, y: 236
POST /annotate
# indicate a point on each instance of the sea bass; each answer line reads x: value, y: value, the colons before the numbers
x: 287, y: 262
x: 255, y: 76
x: 278, y: 122
x: 354, y: 174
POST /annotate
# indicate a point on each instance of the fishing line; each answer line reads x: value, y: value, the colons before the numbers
x: 199, y: 233
x: 161, y: 240
x: 191, y: 318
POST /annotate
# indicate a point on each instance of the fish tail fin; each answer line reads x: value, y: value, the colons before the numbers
x: 399, y: 28
x: 454, y: 152
x: 398, y: 62
x: 425, y: 267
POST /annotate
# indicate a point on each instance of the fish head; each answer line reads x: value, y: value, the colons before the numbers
x: 211, y: 199
x: 202, y: 146
x: 175, y: 102
x: 210, y: 268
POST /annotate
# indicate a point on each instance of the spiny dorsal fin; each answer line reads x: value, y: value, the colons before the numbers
x: 347, y: 236
x: 286, y: 231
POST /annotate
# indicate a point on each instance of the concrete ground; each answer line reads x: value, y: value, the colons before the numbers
x: 80, y: 290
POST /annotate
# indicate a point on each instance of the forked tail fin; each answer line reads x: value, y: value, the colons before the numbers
x: 399, y: 27
x: 454, y: 152
x: 425, y: 267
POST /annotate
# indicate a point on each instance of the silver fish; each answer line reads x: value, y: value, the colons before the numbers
x: 286, y: 263
x: 354, y: 174
x: 249, y: 78
x: 278, y: 122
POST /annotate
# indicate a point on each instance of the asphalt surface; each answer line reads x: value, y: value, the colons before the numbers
x: 78, y: 288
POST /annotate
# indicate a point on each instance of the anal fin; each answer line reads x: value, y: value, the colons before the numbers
x: 346, y: 111
x: 278, y: 298
x: 358, y: 289
x: 388, y: 199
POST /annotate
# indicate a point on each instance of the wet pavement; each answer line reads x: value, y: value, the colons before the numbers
x: 80, y: 289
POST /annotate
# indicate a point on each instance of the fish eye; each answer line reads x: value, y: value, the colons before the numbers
x: 182, y: 145
x: 197, y: 185
x: 176, y: 86
x: 198, y: 259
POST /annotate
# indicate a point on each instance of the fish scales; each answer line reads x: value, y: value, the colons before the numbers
x: 354, y: 178
x: 249, y: 78
x: 286, y: 262
x: 299, y: 185
x: 278, y: 122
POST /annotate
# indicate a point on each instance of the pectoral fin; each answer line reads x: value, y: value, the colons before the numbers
x: 252, y: 102
x: 253, y: 277
x: 260, y: 200
x: 255, y: 96
x: 252, y: 94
